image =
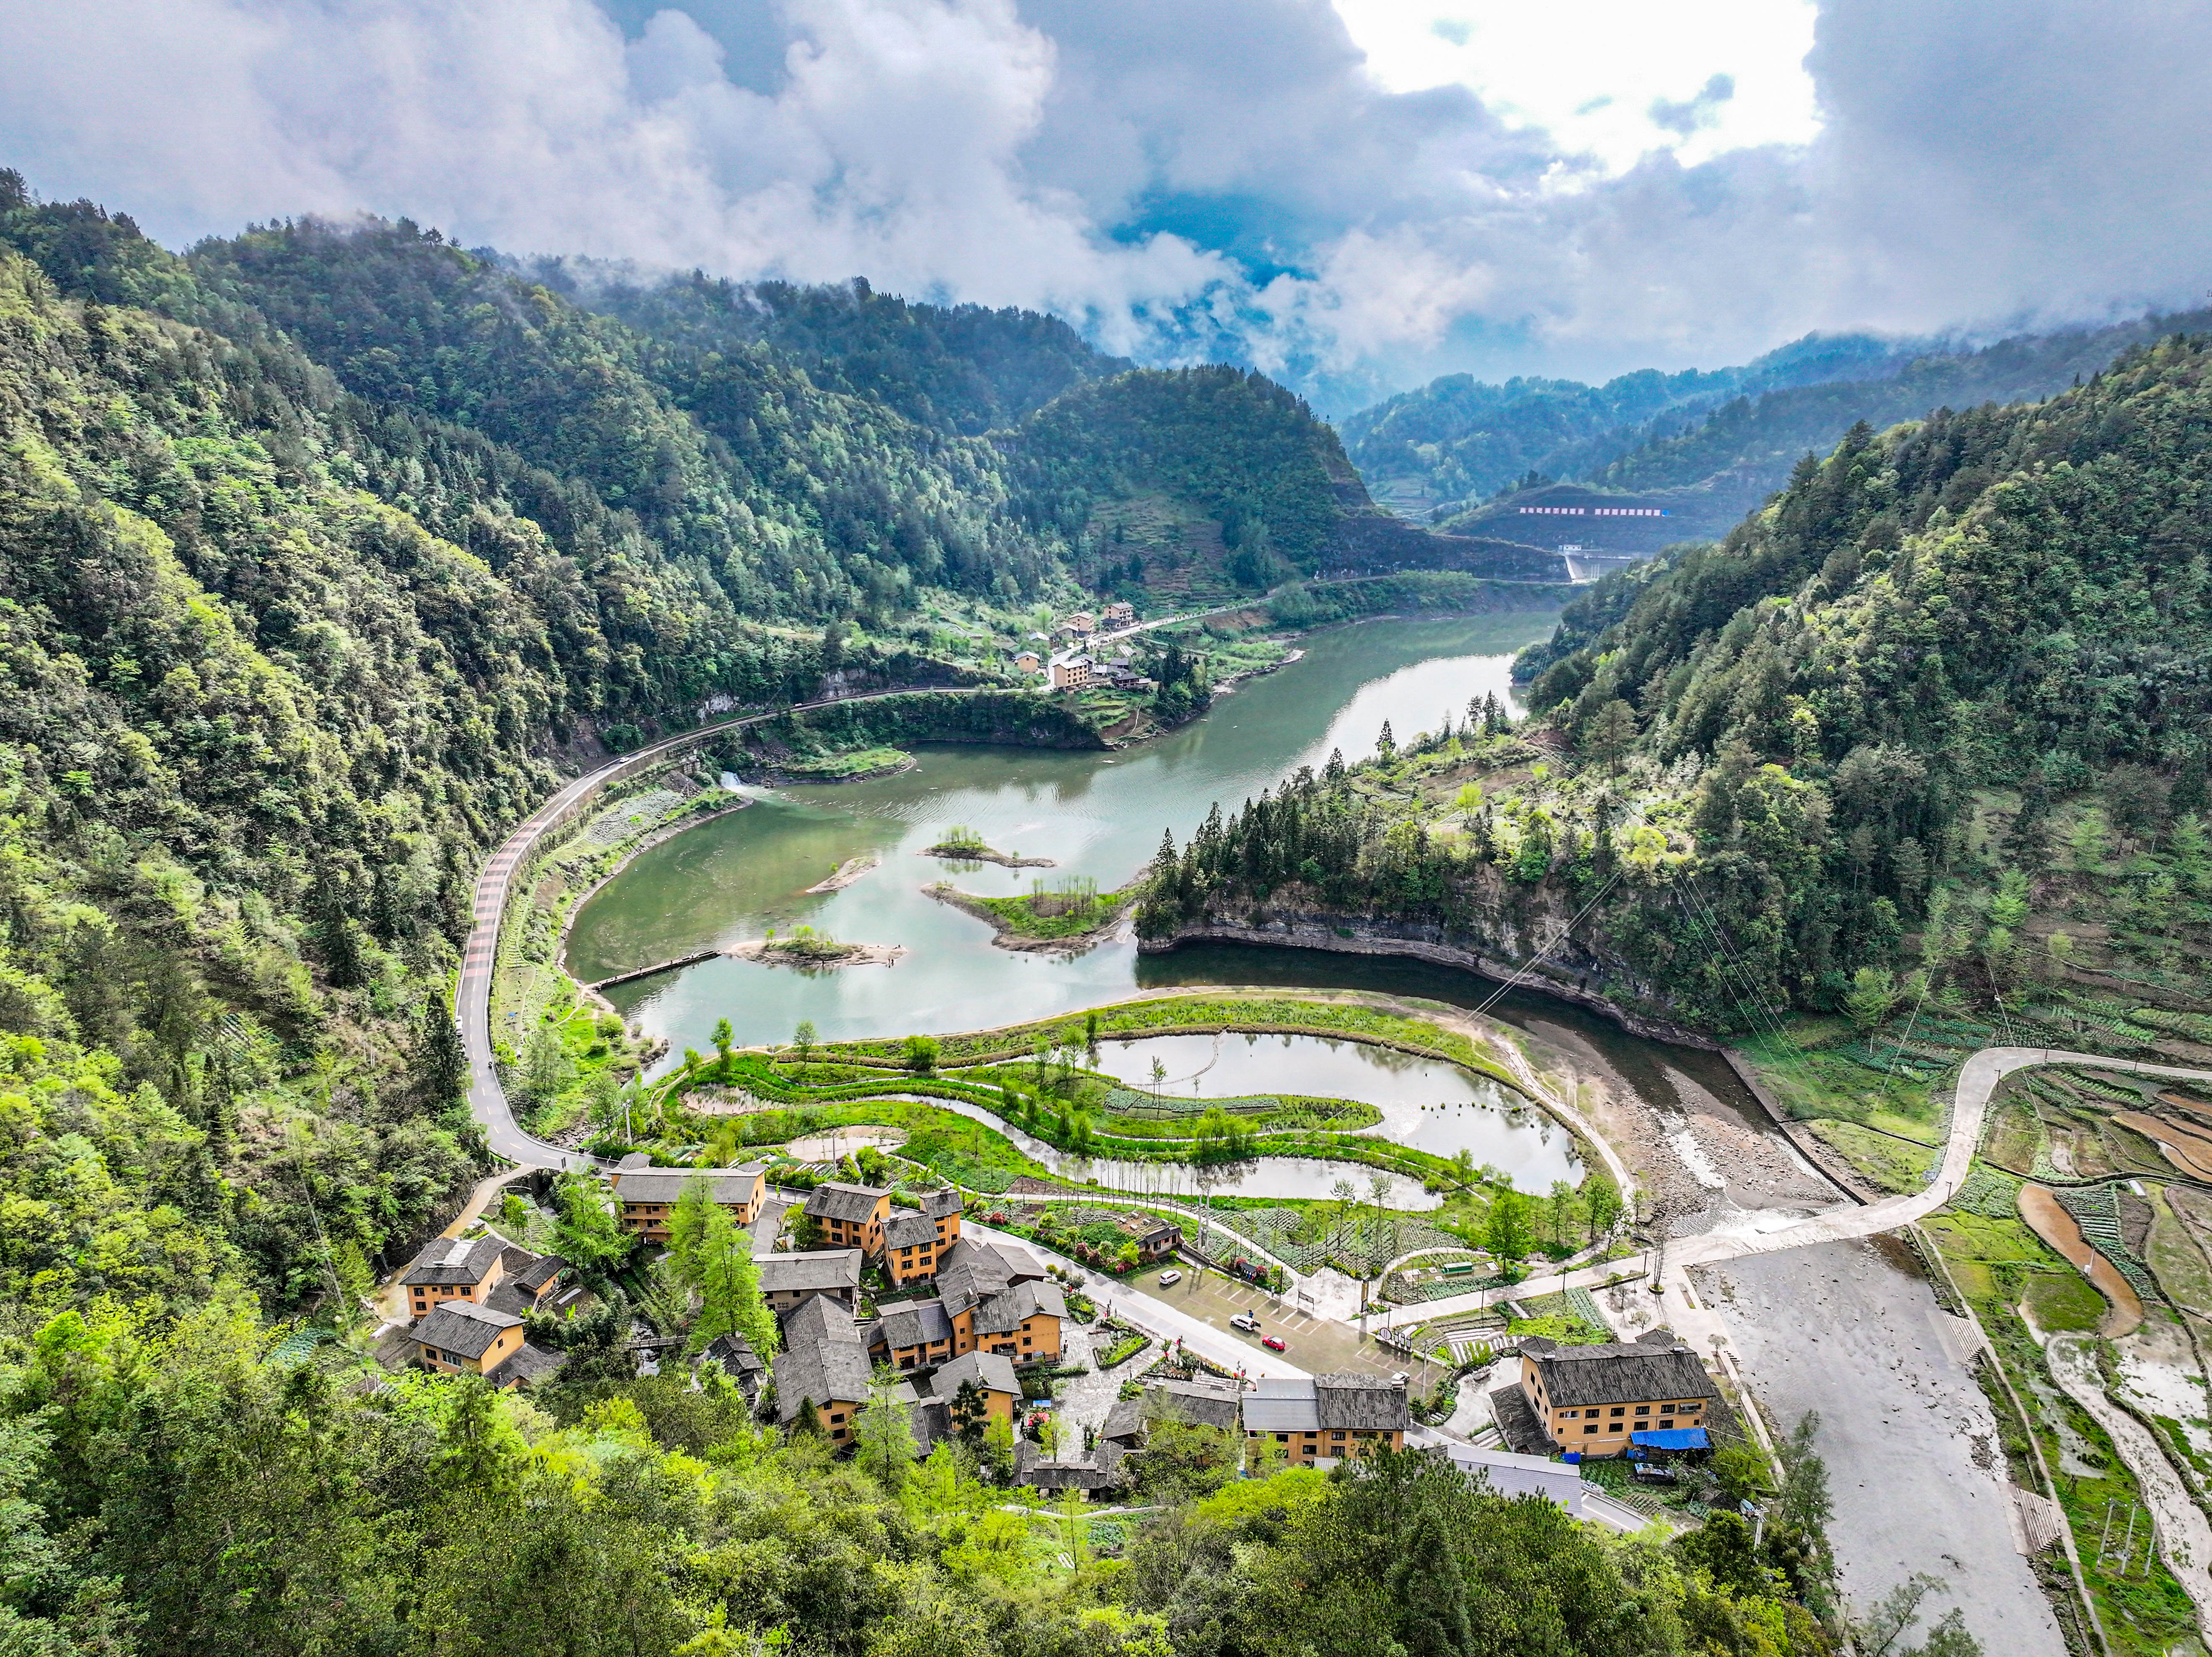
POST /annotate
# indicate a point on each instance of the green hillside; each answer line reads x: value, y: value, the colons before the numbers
x: 962, y: 367
x: 1938, y: 704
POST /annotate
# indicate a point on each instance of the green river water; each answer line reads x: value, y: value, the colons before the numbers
x: 1098, y: 815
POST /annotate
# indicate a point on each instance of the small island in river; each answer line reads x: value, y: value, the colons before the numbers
x: 848, y: 872
x: 815, y: 951
x: 1072, y: 918
x: 961, y: 844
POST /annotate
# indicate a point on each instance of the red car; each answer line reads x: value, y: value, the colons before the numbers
x: 1273, y: 1342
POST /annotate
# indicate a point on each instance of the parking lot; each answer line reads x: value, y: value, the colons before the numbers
x: 1317, y: 1345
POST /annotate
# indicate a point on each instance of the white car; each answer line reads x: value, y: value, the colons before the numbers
x: 1245, y: 1321
x: 1167, y: 1278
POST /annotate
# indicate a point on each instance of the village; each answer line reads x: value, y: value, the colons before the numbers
x: 898, y: 1301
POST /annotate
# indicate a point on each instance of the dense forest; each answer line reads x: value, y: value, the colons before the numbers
x: 325, y: 547
x: 1719, y: 442
x: 962, y: 367
x: 327, y: 552
x: 1873, y: 741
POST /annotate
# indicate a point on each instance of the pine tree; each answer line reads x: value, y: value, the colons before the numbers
x: 439, y: 1066
x: 729, y: 1287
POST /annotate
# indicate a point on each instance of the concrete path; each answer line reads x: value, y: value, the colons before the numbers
x: 1157, y: 1317
x: 1977, y: 1080
x: 487, y: 1100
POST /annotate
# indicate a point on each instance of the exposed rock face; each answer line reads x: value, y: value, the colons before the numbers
x: 1575, y: 969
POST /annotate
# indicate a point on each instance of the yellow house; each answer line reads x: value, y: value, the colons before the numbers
x: 648, y: 1196
x: 915, y: 1241
x: 993, y: 1376
x: 850, y: 1216
x: 1594, y: 1399
x: 454, y: 1269
x: 461, y: 1337
x: 998, y: 1300
x: 1321, y: 1419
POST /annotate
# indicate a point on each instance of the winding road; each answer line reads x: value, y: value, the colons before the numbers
x: 488, y: 1101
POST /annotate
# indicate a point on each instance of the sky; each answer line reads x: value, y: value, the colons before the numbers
x: 1355, y: 195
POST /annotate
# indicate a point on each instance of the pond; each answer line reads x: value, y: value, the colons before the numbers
x: 1425, y: 1104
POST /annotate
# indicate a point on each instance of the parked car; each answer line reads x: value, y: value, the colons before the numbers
x: 1273, y: 1342
x: 1399, y: 1378
x: 1245, y: 1321
x: 1167, y: 1278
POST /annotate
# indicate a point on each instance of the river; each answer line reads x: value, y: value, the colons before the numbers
x: 1097, y: 814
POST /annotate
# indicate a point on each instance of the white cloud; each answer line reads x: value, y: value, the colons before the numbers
x: 1579, y: 188
x: 1590, y: 73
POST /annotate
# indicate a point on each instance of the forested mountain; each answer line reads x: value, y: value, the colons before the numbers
x: 1843, y: 742
x: 1711, y: 444
x: 962, y: 367
x: 1458, y: 441
x: 321, y: 554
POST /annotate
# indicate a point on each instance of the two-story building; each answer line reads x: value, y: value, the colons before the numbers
x: 788, y: 1280
x: 1594, y: 1400
x: 915, y: 1241
x: 823, y: 1364
x: 911, y: 1335
x: 454, y: 1269
x: 1320, y: 1420
x: 460, y: 1337
x: 649, y: 1195
x: 992, y: 1377
x: 1200, y: 1403
x: 850, y: 1216
x: 1028, y: 661
x: 999, y: 1299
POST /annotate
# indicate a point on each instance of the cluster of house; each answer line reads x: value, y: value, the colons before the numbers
x: 1075, y: 672
x: 993, y: 1306
x: 466, y: 1299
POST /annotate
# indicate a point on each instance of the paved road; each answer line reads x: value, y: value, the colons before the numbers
x: 1977, y: 1079
x: 487, y: 1100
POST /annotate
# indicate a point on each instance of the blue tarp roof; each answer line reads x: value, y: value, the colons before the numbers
x: 1674, y: 1438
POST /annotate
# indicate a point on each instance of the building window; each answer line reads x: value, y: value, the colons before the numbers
x: 1619, y: 1410
x: 1590, y: 1427
x: 1569, y: 1415
x: 1339, y: 1437
x: 1666, y: 1422
x: 1643, y: 1409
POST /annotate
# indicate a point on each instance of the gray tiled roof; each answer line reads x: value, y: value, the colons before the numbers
x: 736, y: 1356
x: 838, y: 1200
x: 530, y: 1364
x: 532, y: 1272
x: 1620, y: 1372
x: 972, y: 1269
x: 941, y: 1203
x: 725, y: 1186
x: 989, y: 1370
x: 1208, y: 1406
x: 1125, y: 1422
x: 917, y: 1323
x: 997, y: 1314
x: 463, y: 1326
x: 907, y: 1229
x: 820, y: 1319
x: 816, y: 1270
x: 454, y: 1262
x: 1365, y: 1402
x: 824, y: 1360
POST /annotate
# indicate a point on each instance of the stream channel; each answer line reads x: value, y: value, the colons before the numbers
x: 1101, y: 815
